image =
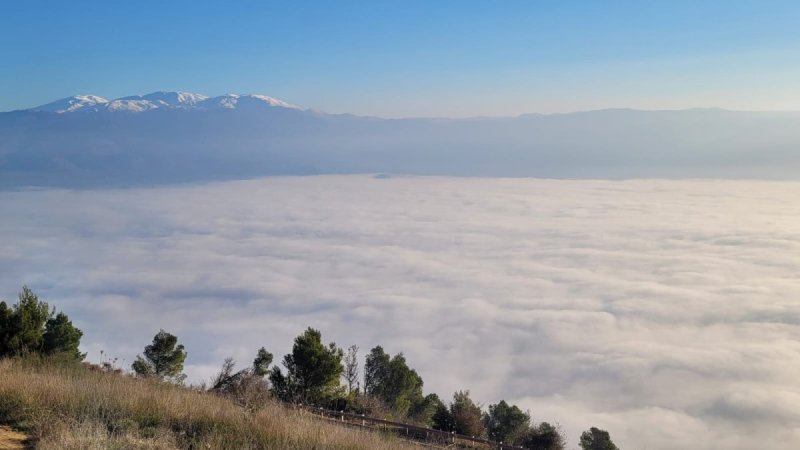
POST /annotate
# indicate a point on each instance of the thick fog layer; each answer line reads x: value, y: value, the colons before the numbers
x: 86, y: 149
x: 667, y: 312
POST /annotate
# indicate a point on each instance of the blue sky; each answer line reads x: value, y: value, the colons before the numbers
x: 410, y: 58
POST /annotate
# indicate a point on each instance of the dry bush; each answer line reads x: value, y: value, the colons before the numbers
x: 104, y: 410
x: 245, y: 387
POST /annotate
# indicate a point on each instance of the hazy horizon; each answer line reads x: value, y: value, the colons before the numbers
x: 464, y: 117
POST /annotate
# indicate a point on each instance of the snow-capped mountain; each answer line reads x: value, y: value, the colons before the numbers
x: 173, y: 99
x: 156, y: 100
x: 231, y: 101
x: 75, y: 103
x: 129, y: 105
x: 160, y: 100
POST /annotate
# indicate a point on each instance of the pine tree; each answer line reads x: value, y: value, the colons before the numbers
x: 25, y: 332
x: 313, y: 370
x: 596, y: 439
x: 467, y: 416
x: 61, y: 337
x: 506, y: 423
x: 392, y: 381
x: 261, y: 362
x: 6, y: 315
x: 162, y: 359
x: 544, y: 437
x: 30, y: 327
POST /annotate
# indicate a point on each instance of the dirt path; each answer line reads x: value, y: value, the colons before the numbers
x: 11, y: 440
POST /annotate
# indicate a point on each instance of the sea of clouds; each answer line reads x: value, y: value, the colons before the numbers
x: 667, y: 312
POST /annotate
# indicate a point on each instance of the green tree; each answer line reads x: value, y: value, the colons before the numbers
x: 162, y: 359
x: 467, y: 416
x: 280, y: 385
x: 391, y: 380
x: 312, y: 370
x: 506, y: 423
x: 376, y: 371
x: 6, y: 315
x: 423, y: 412
x: 442, y: 419
x: 261, y: 362
x: 544, y: 437
x: 597, y: 439
x: 61, y: 337
x: 30, y: 327
x: 25, y: 325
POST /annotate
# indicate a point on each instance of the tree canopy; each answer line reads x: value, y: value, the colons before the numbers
x: 312, y: 370
x: 31, y: 327
x: 442, y: 418
x: 261, y: 362
x: 543, y: 437
x: 392, y: 381
x: 467, y: 416
x: 424, y: 411
x: 596, y: 439
x: 61, y: 337
x: 506, y: 423
x: 162, y: 359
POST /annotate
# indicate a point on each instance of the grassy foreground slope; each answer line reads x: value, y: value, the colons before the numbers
x: 69, y: 407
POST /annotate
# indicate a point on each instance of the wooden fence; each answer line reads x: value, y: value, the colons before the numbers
x: 436, y: 438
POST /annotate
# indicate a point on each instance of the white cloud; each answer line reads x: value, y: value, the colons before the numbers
x: 667, y: 312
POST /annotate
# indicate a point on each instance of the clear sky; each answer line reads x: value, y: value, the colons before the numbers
x: 410, y: 58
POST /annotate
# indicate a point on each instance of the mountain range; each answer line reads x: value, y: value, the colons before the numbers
x: 176, y: 137
x: 158, y: 100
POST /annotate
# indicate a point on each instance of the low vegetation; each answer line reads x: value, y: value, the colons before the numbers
x: 46, y: 391
x: 66, y: 406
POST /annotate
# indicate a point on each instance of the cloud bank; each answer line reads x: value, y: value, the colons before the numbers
x: 667, y: 312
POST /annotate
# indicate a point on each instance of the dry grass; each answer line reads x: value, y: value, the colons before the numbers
x: 69, y: 407
x: 11, y: 440
x: 95, y: 436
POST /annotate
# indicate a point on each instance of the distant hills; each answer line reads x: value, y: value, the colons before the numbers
x: 172, y: 137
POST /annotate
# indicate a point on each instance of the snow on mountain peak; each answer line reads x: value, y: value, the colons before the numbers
x: 161, y: 100
x: 131, y: 105
x: 74, y: 103
x: 170, y: 99
x: 231, y: 101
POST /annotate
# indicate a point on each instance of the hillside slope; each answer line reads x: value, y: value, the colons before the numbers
x: 70, y: 407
